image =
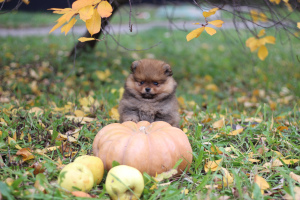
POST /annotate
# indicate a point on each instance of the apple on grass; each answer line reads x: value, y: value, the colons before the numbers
x: 124, y: 182
x: 76, y: 176
x: 95, y: 164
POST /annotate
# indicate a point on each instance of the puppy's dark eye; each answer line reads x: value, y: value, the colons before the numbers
x: 142, y: 82
x: 155, y: 83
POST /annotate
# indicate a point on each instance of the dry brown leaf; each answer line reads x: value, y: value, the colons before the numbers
x: 295, y: 177
x: 25, y: 153
x: 227, y: 178
x: 297, y: 194
x: 215, y: 150
x: 79, y: 113
x: 165, y: 175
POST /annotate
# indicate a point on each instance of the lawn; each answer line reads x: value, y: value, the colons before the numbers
x: 236, y: 110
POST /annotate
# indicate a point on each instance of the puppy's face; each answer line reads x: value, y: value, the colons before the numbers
x: 150, y: 79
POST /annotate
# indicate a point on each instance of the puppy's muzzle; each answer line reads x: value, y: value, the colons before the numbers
x: 147, y: 89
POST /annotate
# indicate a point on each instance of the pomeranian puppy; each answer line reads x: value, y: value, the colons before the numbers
x: 150, y: 93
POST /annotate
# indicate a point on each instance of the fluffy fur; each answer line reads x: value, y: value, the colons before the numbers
x: 150, y: 93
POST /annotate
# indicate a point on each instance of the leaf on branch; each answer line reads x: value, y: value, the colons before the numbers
x: 263, y: 17
x: 210, y: 30
x: 26, y: 2
x: 275, y: 1
x: 194, y: 34
x: 268, y: 39
x: 84, y: 39
x: 217, y: 23
x: 252, y: 43
x: 254, y: 15
x: 60, y: 10
x: 261, y: 33
x: 77, y: 5
x: 210, y: 12
x: 66, y: 28
x: 60, y: 23
x: 104, y: 9
x: 86, y: 12
x: 262, y: 52
x: 93, y: 24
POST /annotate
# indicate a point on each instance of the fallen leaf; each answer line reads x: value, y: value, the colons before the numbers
x: 227, y: 178
x: 236, y: 132
x: 295, y: 177
x: 212, y: 165
x: 297, y: 194
x: 79, y: 113
x: 81, y: 194
x: 25, y: 153
x: 36, y: 111
x: 215, y: 150
x: 262, y: 183
x: 114, y: 113
x: 165, y: 175
x: 219, y: 124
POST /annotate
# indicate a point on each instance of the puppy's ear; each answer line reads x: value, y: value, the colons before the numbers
x: 167, y: 70
x: 134, y: 65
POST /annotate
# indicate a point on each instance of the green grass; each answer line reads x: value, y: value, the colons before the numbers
x: 36, y: 72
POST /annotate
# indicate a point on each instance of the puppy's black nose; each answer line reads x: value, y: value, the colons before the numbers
x: 147, y: 89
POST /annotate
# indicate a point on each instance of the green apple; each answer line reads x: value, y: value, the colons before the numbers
x: 124, y: 182
x: 95, y: 164
x: 76, y: 176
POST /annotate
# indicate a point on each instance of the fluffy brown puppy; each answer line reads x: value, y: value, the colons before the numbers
x: 150, y: 93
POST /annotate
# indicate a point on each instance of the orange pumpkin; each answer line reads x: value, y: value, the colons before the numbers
x: 152, y: 148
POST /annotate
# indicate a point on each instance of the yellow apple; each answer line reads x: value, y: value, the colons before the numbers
x: 122, y: 180
x: 95, y: 164
x: 76, y: 175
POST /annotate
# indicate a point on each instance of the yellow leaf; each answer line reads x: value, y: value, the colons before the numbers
x: 254, y: 15
x: 218, y: 124
x: 298, y: 25
x: 217, y: 23
x: 236, y: 132
x: 210, y: 30
x: 81, y: 3
x: 261, y: 182
x: 263, y: 17
x: 268, y: 39
x: 295, y: 177
x: 25, y: 153
x: 103, y: 75
x: 26, y: 2
x: 36, y: 111
x: 84, y: 39
x: 66, y: 28
x: 261, y: 33
x: 86, y: 12
x: 165, y: 175
x: 114, y: 114
x: 252, y: 43
x: 94, y: 23
x: 2, y: 1
x: 288, y: 5
x: 61, y: 10
x: 275, y: 1
x: 262, y: 52
x: 194, y: 34
x: 227, y: 178
x: 60, y: 23
x: 79, y: 113
x: 185, y: 191
x: 215, y: 150
x: 181, y: 102
x: 212, y: 87
x: 212, y: 165
x: 210, y: 12
x: 104, y: 9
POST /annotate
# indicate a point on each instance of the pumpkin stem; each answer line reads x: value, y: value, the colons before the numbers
x: 143, y: 129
